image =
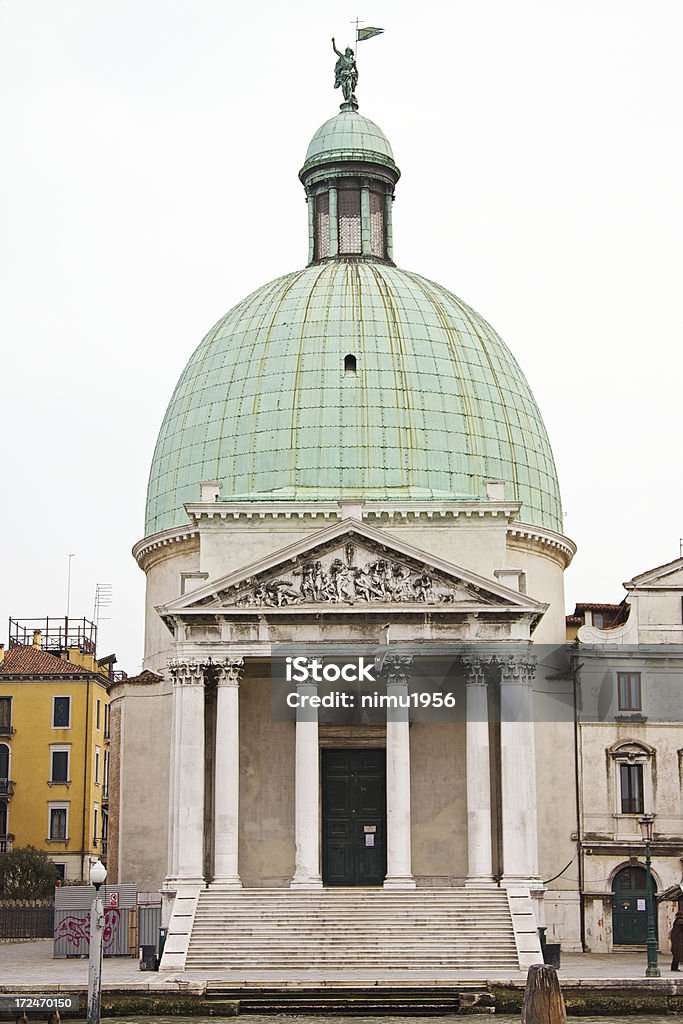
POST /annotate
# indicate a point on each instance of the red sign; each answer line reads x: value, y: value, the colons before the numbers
x: 113, y: 899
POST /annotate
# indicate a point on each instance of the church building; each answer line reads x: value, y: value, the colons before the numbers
x: 351, y: 461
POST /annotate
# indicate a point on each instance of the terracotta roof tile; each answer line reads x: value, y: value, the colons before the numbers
x: 28, y: 661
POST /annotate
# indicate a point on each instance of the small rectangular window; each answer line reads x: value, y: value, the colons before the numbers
x: 5, y: 716
x: 98, y: 714
x: 60, y: 766
x: 630, y: 698
x: 348, y: 200
x: 95, y: 837
x: 61, y: 871
x: 377, y: 232
x: 97, y: 765
x: 631, y: 788
x: 61, y: 712
x: 58, y: 823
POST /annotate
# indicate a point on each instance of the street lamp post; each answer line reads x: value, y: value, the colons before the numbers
x: 647, y: 823
x: 98, y: 873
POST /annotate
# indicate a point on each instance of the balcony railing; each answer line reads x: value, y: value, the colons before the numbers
x: 6, y: 730
x: 6, y: 787
x: 6, y: 843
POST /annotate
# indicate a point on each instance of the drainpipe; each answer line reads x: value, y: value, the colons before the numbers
x: 579, y: 804
x: 85, y: 774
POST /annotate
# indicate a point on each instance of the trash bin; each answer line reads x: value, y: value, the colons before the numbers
x: 149, y: 961
x: 551, y: 954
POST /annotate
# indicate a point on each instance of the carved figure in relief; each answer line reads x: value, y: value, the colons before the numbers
x: 343, y: 582
x: 423, y: 585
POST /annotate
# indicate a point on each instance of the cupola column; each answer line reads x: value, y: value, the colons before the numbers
x: 388, y: 226
x: 306, y: 794
x: 227, y: 778
x: 365, y: 240
x: 311, y: 228
x: 334, y: 225
x: 399, y: 840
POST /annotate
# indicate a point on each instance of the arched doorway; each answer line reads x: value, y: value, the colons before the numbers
x: 629, y: 907
x: 4, y: 762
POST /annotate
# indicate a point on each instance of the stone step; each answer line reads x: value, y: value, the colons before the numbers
x: 372, y: 929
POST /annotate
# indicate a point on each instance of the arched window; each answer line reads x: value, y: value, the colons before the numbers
x: 349, y: 364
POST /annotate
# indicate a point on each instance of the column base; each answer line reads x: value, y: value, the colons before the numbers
x: 400, y: 882
x: 476, y: 881
x: 309, y: 882
x: 226, y: 882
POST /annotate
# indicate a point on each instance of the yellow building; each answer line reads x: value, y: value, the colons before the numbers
x: 54, y: 742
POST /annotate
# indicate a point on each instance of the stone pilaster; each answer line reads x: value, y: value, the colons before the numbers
x: 186, y: 802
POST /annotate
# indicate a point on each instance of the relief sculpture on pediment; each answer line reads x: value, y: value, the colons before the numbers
x: 340, y: 576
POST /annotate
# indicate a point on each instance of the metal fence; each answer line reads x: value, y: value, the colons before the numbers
x: 26, y: 922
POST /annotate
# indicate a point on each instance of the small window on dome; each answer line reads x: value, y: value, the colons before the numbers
x: 349, y: 364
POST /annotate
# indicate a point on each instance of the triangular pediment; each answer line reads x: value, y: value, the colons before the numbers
x: 351, y: 565
x: 669, y: 576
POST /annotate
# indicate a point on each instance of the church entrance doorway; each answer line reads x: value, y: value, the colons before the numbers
x: 629, y: 907
x: 354, y: 817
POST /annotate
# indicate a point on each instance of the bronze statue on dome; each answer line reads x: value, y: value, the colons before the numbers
x: 346, y: 73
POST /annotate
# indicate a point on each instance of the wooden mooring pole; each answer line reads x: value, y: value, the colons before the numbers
x: 543, y: 1000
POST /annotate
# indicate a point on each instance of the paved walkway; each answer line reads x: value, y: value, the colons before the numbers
x: 30, y: 964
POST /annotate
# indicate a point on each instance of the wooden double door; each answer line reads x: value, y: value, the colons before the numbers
x: 354, y: 817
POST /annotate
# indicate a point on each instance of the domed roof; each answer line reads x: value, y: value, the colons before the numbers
x: 348, y: 136
x: 436, y: 406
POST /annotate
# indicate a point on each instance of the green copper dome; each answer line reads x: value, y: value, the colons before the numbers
x: 436, y: 406
x: 348, y: 137
x: 352, y: 378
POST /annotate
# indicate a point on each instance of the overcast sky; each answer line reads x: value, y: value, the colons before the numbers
x: 149, y: 182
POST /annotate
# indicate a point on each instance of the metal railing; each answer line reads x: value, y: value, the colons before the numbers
x: 54, y: 634
x: 6, y: 843
x: 6, y: 787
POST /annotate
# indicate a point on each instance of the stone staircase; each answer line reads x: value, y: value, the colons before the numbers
x: 468, y: 930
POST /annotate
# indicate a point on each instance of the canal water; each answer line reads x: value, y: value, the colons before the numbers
x: 249, y: 1018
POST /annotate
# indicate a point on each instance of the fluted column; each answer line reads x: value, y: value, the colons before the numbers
x: 518, y: 770
x: 186, y: 845
x: 399, y: 847
x: 479, y: 845
x: 227, y: 778
x: 307, y: 795
x: 334, y: 224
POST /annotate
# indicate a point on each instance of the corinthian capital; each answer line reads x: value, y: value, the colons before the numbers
x: 229, y: 671
x: 396, y: 669
x: 186, y: 673
x: 518, y: 670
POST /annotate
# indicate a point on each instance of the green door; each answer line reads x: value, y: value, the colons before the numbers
x: 354, y: 817
x: 629, y: 907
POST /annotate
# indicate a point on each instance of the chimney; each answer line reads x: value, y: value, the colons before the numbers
x: 495, y: 490
x: 2, y: 653
x: 37, y: 638
x: 210, y: 489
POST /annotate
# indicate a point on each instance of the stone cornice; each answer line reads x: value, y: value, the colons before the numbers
x: 370, y: 510
x: 157, y: 541
x: 546, y: 541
